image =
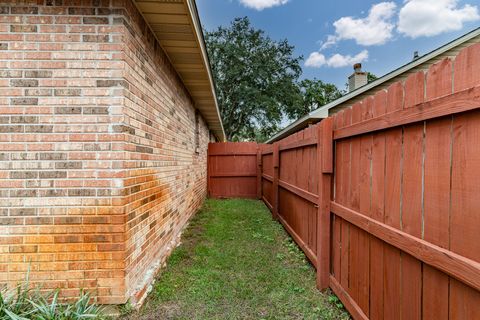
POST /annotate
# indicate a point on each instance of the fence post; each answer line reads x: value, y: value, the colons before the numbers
x: 325, y: 165
x: 276, y: 162
x: 259, y: 171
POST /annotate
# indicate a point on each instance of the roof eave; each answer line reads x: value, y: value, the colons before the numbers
x: 194, y: 71
x: 198, y: 30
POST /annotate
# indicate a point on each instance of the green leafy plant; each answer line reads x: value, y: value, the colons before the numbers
x: 25, y: 303
x: 126, y: 309
x: 333, y: 299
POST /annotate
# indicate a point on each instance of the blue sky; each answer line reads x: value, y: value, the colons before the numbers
x: 332, y: 35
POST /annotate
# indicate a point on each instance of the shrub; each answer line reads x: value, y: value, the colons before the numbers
x: 25, y: 303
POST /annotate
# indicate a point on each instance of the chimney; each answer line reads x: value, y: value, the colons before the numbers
x: 358, y: 78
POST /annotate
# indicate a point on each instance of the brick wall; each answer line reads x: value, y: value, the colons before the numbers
x: 98, y: 169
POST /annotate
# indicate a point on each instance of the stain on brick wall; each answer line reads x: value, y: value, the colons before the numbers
x: 98, y: 169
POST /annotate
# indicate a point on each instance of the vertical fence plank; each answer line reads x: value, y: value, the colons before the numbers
x: 353, y: 201
x: 324, y: 163
x: 365, y: 186
x: 437, y: 191
x: 377, y: 212
x: 412, y: 192
x: 393, y: 173
x: 337, y: 222
x: 464, y: 217
x: 344, y: 276
x: 259, y: 172
x: 276, y: 162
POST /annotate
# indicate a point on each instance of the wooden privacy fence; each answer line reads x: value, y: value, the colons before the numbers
x: 383, y: 197
x: 296, y: 185
x: 232, y: 170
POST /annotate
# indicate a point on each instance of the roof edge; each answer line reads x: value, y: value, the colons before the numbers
x: 192, y: 7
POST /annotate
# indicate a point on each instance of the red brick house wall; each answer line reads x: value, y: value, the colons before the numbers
x: 98, y: 165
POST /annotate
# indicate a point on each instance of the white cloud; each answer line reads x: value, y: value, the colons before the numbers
x: 331, y: 40
x: 375, y: 29
x: 262, y: 4
x: 431, y: 17
x: 317, y: 60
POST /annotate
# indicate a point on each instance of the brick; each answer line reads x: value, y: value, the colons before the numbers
x: 38, y: 221
x: 81, y: 11
x: 23, y: 174
x: 23, y: 249
x: 112, y: 83
x: 68, y: 110
x: 39, y: 128
x: 68, y: 165
x: 23, y: 193
x: 97, y: 238
x: 143, y: 149
x: 11, y: 129
x: 67, y: 92
x: 81, y: 193
x: 10, y: 73
x: 52, y: 174
x: 53, y: 193
x: 68, y: 239
x: 24, y: 101
x: 24, y: 10
x: 24, y: 119
x: 95, y: 20
x: 95, y: 110
x: 10, y: 240
x: 38, y: 74
x: 22, y: 212
x: 123, y: 128
x: 10, y: 221
x: 4, y: 46
x: 24, y: 83
x: 95, y: 38
x: 53, y: 156
x: 23, y: 28
x: 68, y: 220
x: 38, y: 92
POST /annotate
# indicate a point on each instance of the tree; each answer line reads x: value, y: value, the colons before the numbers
x: 314, y: 94
x: 371, y: 77
x: 255, y: 79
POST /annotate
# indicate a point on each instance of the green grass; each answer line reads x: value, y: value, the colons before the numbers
x: 236, y: 263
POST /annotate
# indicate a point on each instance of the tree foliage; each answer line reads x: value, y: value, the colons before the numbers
x: 371, y: 77
x: 257, y: 82
x: 314, y: 93
x: 255, y: 79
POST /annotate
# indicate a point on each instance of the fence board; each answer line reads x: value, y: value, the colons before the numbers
x: 232, y: 170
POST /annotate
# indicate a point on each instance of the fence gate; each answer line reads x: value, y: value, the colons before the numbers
x: 232, y: 170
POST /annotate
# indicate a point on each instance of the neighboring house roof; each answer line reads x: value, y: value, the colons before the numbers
x: 177, y: 28
x: 422, y: 63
